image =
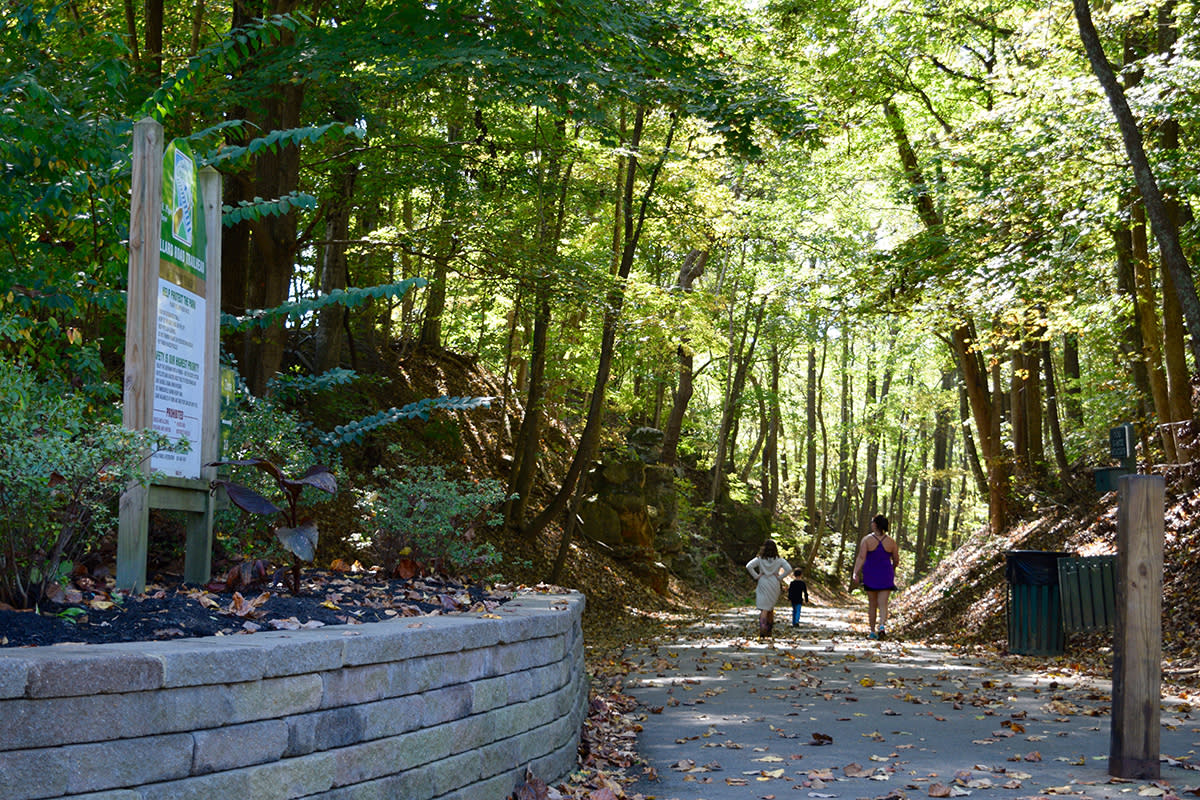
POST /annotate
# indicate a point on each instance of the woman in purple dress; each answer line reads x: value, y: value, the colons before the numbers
x: 875, y: 569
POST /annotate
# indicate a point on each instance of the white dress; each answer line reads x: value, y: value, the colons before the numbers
x: 769, y: 572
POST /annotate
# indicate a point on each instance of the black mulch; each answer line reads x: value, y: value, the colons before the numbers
x: 174, y: 611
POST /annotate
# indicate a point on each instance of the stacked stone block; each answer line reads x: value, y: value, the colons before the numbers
x: 454, y: 707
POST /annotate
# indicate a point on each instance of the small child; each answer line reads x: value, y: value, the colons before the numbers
x: 798, y: 594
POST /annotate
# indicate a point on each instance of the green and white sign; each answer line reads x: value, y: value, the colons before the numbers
x: 179, y: 345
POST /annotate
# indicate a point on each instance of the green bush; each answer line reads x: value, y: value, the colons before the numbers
x: 62, y: 469
x: 419, y: 513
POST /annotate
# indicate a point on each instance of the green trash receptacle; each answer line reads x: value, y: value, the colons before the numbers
x: 1107, y: 478
x: 1034, y: 605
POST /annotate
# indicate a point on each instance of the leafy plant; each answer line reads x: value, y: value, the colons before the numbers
x: 419, y: 517
x: 298, y: 531
x: 62, y: 468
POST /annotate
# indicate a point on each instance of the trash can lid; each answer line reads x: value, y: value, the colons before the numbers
x: 1033, y: 567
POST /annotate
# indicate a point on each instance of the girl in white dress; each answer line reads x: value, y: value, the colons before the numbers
x: 768, y: 569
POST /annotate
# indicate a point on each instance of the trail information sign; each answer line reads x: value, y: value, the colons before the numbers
x: 1120, y: 441
x: 179, y: 350
x: 171, y: 344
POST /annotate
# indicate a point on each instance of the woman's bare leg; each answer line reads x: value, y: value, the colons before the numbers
x: 883, y: 608
x: 872, y: 605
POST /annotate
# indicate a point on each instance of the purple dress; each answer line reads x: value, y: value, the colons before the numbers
x: 878, y: 572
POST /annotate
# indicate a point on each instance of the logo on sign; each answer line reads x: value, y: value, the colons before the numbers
x: 183, y: 213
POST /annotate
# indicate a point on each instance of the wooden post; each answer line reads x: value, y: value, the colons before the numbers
x: 1137, y: 636
x: 188, y: 494
x: 145, y: 228
x: 197, y: 565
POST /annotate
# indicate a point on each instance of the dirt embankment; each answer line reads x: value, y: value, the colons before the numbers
x: 964, y: 598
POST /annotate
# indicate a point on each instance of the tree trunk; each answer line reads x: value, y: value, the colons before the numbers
x: 689, y: 273
x: 1056, y: 437
x: 1033, y: 397
x: 810, y: 442
x: 845, y: 402
x: 552, y: 202
x: 938, y: 483
x: 330, y: 337
x: 1131, y: 333
x: 528, y: 442
x: 1179, y: 388
x: 131, y: 35
x: 737, y: 383
x: 771, y: 449
x: 1072, y: 392
x: 763, y: 423
x: 987, y: 423
x: 1019, y: 420
x: 154, y: 38
x: 615, y: 301
x: 446, y: 245
x: 197, y: 27
x: 1165, y: 232
x: 964, y: 422
x: 872, y: 410
x: 922, y: 543
x: 270, y: 243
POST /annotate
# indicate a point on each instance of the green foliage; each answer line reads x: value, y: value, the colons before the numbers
x: 298, y: 530
x: 301, y: 309
x: 355, y: 430
x: 258, y: 208
x: 291, y: 386
x: 419, y: 513
x: 231, y: 52
x: 232, y: 157
x: 64, y: 191
x: 61, y: 471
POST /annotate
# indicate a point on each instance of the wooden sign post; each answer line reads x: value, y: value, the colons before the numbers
x: 171, y: 346
x: 1137, y: 634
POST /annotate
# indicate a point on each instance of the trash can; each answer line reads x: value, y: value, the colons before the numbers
x: 1034, y: 604
x: 1107, y: 478
x: 1088, y: 586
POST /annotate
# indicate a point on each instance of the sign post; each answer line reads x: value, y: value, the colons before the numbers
x: 171, y: 353
x: 1137, y: 634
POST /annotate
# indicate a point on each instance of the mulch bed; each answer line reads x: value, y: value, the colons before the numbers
x: 172, y: 610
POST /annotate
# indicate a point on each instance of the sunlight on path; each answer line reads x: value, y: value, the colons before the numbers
x: 822, y: 712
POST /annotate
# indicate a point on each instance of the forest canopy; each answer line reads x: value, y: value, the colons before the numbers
x: 886, y: 256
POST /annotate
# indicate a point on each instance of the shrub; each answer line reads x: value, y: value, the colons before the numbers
x: 61, y: 472
x: 419, y: 515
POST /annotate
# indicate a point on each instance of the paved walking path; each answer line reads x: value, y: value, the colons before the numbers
x: 825, y: 713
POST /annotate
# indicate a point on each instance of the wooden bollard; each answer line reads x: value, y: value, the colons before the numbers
x: 1137, y: 634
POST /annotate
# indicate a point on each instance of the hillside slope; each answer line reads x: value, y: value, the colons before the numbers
x: 964, y: 598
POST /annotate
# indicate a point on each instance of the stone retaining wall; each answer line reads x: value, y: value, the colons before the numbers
x: 420, y: 707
